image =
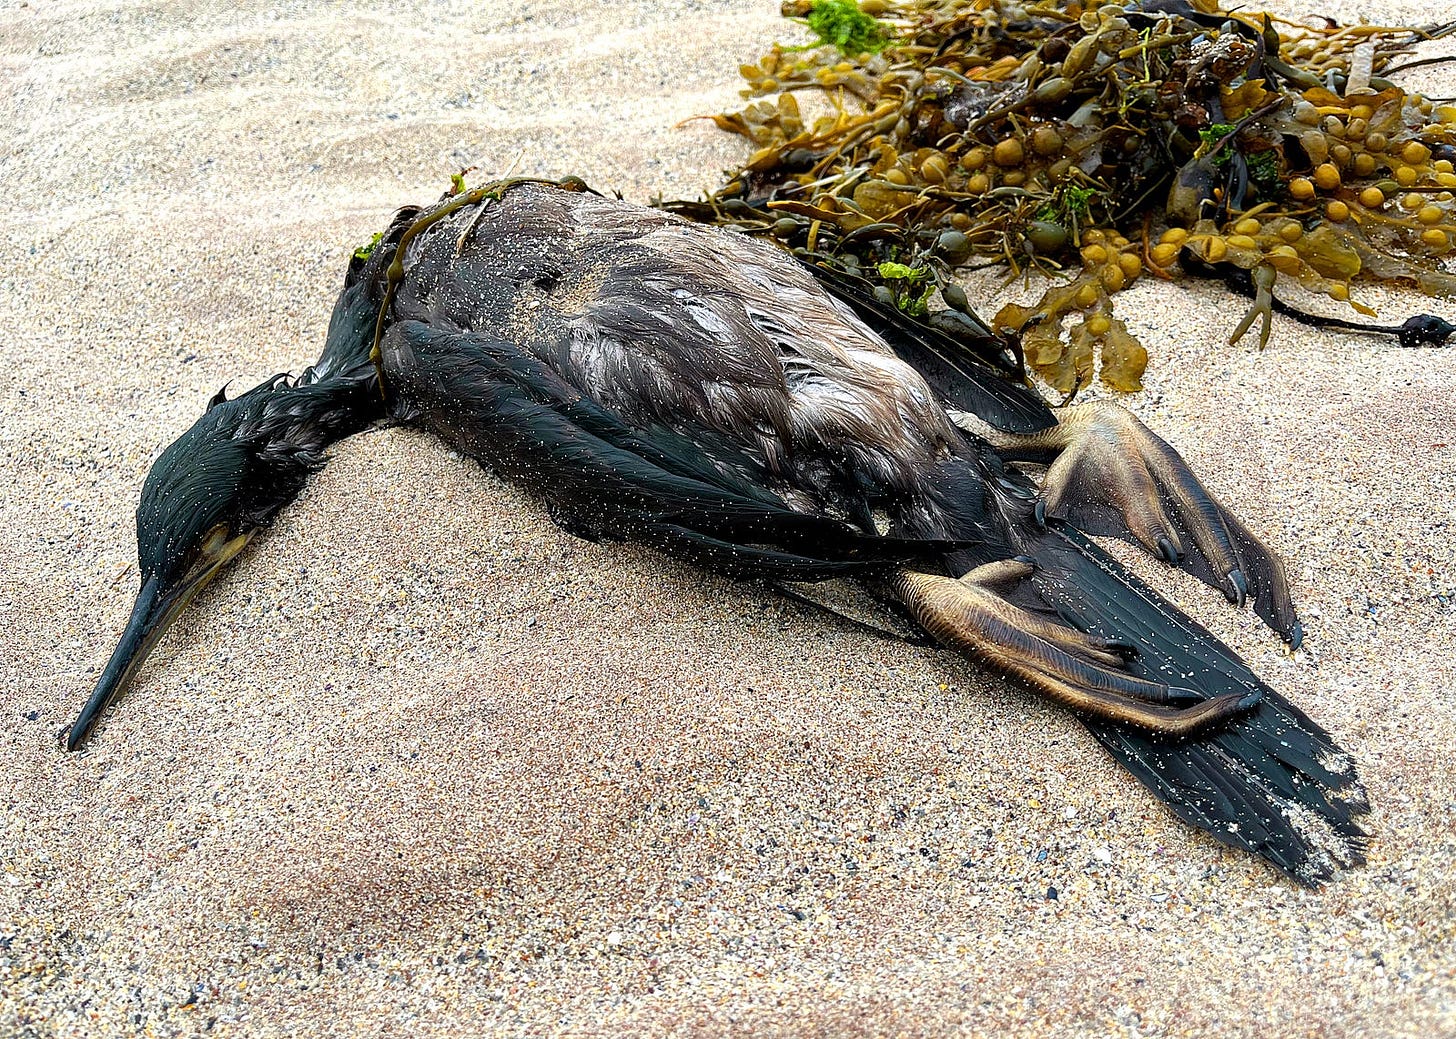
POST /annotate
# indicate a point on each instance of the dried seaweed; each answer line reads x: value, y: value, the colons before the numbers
x: 1098, y: 143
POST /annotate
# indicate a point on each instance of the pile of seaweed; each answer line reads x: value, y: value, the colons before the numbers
x: 1099, y: 143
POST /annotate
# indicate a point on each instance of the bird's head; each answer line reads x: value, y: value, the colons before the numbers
x: 204, y: 499
x: 224, y: 479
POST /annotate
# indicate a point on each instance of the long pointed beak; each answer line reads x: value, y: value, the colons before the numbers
x: 155, y: 611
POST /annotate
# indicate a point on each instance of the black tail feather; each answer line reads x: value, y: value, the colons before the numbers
x: 1271, y: 781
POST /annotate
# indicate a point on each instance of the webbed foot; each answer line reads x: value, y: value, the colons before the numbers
x: 1084, y: 672
x: 1112, y: 475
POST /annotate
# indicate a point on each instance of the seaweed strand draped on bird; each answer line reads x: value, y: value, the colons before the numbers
x: 701, y: 392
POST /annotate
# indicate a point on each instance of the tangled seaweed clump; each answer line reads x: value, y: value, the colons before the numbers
x: 1103, y: 140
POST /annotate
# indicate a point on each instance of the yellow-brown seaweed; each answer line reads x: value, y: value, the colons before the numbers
x: 1102, y: 141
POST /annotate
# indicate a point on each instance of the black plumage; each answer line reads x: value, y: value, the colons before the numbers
x: 224, y: 480
x: 659, y: 382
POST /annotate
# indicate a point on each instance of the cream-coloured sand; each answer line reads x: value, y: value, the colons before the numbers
x: 424, y: 766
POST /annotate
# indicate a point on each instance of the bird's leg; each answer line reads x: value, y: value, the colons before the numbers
x: 1107, y: 473
x: 1081, y: 671
x: 982, y: 583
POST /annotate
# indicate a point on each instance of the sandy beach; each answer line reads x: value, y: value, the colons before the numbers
x: 422, y: 765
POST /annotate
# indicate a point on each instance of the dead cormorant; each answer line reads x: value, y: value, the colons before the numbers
x: 695, y: 390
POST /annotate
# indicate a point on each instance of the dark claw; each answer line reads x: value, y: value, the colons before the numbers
x: 1252, y: 699
x: 1040, y: 513
x: 1238, y: 590
x: 1168, y: 551
x: 1295, y: 638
